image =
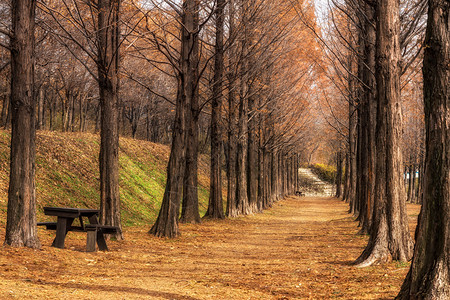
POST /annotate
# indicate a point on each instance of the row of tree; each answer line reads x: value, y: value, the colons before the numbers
x: 247, y: 67
x: 230, y: 73
x: 21, y: 212
x: 265, y: 110
x: 383, y: 42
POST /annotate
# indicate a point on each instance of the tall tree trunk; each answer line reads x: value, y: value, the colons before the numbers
x: 97, y: 118
x: 5, y: 108
x: 413, y: 184
x: 64, y: 112
x: 147, y: 123
x: 291, y: 175
x: 241, y: 158
x: 281, y: 174
x: 420, y: 181
x: 166, y: 224
x: 266, y: 178
x: 346, y: 178
x: 8, y: 115
x: 260, y: 179
x: 352, y: 155
x: 274, y: 177
x: 242, y: 144
x: 85, y: 114
x: 108, y: 74
x: 361, y: 158
x: 339, y: 161
x: 429, y: 275
x: 352, y: 131
x: 215, y: 205
x: 40, y: 112
x: 370, y: 93
x: 252, y: 165
x: 190, y: 212
x: 390, y: 237
x: 81, y: 110
x: 416, y: 183
x: 410, y: 182
x: 232, y: 143
x: 368, y: 111
x: 155, y: 136
x: 72, y: 114
x: 51, y: 112
x: 21, y: 212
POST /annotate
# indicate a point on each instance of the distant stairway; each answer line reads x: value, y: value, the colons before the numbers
x: 313, y: 186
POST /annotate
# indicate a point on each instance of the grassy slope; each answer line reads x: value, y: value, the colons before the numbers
x: 67, y: 175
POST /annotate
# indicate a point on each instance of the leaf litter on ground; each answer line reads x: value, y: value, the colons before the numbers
x: 301, y: 248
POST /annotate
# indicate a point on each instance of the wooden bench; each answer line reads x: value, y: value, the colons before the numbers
x: 66, y: 216
x: 93, y: 231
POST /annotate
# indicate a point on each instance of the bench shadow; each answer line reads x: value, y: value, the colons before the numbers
x: 116, y: 289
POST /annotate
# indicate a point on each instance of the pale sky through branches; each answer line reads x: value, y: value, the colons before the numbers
x: 321, y: 8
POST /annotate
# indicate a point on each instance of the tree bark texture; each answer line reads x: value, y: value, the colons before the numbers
x: 281, y: 174
x: 241, y: 158
x: 231, y: 210
x: 108, y: 75
x: 190, y: 212
x: 352, y: 157
x: 274, y: 186
x: 267, y: 177
x: 5, y: 109
x: 243, y: 206
x: 21, y: 212
x: 352, y: 137
x: 358, y: 207
x: 252, y: 165
x: 40, y: 111
x: 215, y: 205
x: 346, y: 178
x: 166, y: 224
x: 339, y: 162
x: 429, y: 275
x: 390, y: 237
x: 367, y: 118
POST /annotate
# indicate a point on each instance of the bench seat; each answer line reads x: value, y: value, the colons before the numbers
x: 52, y: 226
x: 107, y: 229
x: 48, y: 225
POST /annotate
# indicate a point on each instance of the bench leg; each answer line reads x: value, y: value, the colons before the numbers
x: 100, y: 237
x: 62, y: 227
x: 91, y: 242
x: 101, y: 241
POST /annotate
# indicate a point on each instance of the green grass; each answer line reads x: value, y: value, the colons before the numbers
x: 67, y: 175
x: 325, y: 172
x: 401, y: 264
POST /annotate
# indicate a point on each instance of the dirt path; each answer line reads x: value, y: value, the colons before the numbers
x: 299, y: 249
